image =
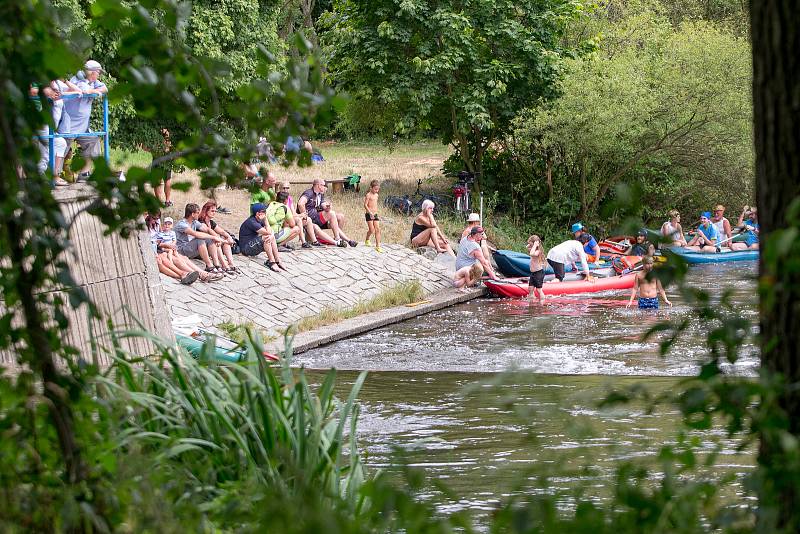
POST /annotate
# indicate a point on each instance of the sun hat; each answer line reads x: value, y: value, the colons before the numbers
x: 92, y: 65
x: 577, y: 227
x: 258, y: 206
x: 719, y: 207
x: 474, y: 217
x: 476, y: 230
x: 168, y: 220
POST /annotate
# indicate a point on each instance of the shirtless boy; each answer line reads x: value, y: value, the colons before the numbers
x: 371, y: 214
x: 468, y: 276
x: 648, y: 289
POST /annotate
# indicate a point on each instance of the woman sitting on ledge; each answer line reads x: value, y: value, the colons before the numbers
x: 426, y: 233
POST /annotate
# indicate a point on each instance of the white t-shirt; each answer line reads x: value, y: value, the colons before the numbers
x: 569, y: 252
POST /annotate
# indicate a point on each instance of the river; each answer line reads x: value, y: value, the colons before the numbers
x: 487, y: 395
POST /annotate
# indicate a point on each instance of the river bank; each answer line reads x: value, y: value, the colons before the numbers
x: 315, y: 280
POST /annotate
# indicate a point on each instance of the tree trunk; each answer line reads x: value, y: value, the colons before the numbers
x: 776, y: 114
x: 549, y: 175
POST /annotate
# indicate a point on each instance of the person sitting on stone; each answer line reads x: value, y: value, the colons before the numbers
x: 313, y: 203
x: 224, y: 250
x: 472, y: 221
x: 256, y: 237
x: 279, y: 218
x: 469, y: 253
x: 299, y: 221
x: 425, y: 232
x: 196, y: 240
x: 267, y: 193
x: 169, y: 261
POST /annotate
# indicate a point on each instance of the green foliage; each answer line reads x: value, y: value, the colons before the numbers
x: 462, y: 71
x: 665, y: 110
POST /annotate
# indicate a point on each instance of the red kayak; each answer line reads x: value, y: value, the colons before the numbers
x: 516, y: 288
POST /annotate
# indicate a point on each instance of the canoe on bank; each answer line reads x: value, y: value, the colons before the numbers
x: 512, y: 263
x: 232, y: 354
x: 519, y: 288
x: 691, y: 256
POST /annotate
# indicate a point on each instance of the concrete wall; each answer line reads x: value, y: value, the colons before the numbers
x: 119, y: 275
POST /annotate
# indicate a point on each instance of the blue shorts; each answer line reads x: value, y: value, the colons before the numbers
x: 648, y: 303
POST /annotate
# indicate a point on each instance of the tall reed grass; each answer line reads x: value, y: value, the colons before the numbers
x: 218, y: 428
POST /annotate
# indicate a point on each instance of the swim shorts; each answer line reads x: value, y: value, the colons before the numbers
x: 370, y: 217
x: 648, y: 303
x: 558, y: 269
x: 537, y: 279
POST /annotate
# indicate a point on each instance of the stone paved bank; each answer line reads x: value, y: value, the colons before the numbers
x: 316, y: 279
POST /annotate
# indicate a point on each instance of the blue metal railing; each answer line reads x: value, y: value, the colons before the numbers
x: 51, y: 135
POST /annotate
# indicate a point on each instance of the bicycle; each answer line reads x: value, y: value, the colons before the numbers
x: 461, y: 192
x: 408, y: 204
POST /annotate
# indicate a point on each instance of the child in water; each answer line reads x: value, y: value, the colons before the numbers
x: 371, y: 214
x: 468, y: 276
x: 536, y: 281
x: 648, y: 289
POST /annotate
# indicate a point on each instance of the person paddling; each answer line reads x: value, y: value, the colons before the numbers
x: 568, y: 253
x: 648, y: 289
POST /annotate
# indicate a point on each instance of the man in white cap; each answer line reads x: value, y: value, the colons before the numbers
x: 80, y: 110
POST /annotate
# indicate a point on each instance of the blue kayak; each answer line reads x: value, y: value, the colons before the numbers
x: 515, y: 264
x: 691, y: 256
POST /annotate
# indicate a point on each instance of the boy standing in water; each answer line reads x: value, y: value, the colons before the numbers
x: 371, y: 214
x: 648, y: 289
x: 536, y: 280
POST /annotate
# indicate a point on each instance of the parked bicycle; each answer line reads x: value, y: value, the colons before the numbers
x: 408, y: 204
x: 461, y: 192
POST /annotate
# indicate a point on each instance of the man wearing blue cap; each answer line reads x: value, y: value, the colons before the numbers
x: 706, y: 238
x: 590, y: 246
x: 256, y: 237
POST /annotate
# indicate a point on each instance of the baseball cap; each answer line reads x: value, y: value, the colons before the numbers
x: 476, y: 230
x: 474, y: 217
x: 258, y: 206
x: 706, y: 214
x: 577, y: 227
x: 168, y: 220
x: 92, y: 65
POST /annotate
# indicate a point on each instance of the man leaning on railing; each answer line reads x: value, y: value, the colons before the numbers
x: 80, y: 110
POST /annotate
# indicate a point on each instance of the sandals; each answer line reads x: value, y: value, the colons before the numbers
x: 274, y: 267
x: 190, y: 278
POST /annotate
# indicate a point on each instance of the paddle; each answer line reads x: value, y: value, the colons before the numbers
x: 728, y: 239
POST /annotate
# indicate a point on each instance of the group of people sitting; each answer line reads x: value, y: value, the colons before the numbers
x: 715, y: 230
x: 275, y: 221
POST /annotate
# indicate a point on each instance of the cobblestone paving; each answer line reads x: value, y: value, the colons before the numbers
x: 315, y: 279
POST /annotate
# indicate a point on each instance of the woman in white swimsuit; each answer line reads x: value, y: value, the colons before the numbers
x: 672, y: 230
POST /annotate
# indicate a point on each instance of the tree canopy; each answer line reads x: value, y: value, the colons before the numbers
x: 461, y: 70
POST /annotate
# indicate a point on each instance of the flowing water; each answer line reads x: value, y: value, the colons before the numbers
x: 488, y: 394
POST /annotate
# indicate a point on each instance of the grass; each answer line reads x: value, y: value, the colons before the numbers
x: 403, y: 293
x: 398, y: 170
x: 238, y: 332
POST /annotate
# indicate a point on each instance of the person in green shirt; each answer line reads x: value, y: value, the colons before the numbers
x: 267, y: 193
x: 279, y: 218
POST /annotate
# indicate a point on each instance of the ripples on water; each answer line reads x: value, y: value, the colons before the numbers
x: 487, y: 441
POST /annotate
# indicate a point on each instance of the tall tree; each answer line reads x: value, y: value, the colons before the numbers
x: 776, y: 104
x: 461, y: 70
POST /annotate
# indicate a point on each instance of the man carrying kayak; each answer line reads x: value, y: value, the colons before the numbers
x: 590, y: 246
x: 568, y: 253
x: 707, y: 237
